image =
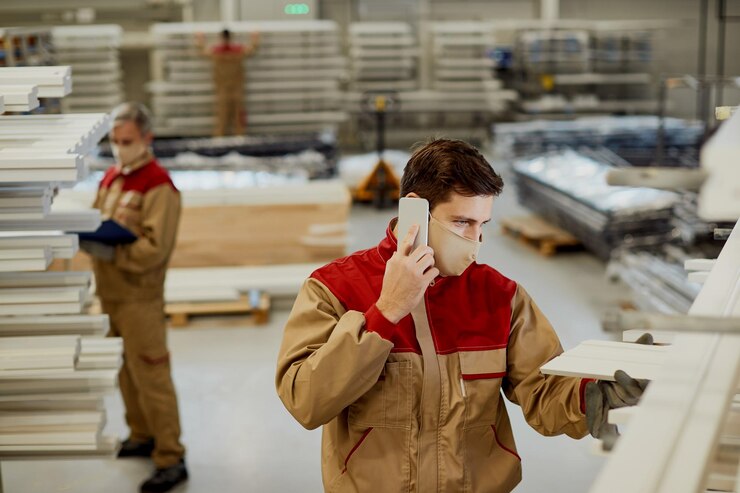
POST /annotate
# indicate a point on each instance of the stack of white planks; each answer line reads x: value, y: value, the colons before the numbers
x: 463, y: 70
x: 292, y: 82
x: 42, y: 149
x: 52, y: 379
x: 683, y: 436
x: 450, y: 82
x: 37, y: 371
x: 384, y: 56
x: 51, y: 82
x: 93, y: 53
x: 19, y: 97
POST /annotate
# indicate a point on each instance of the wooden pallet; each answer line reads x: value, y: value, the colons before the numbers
x: 256, y: 304
x: 536, y: 232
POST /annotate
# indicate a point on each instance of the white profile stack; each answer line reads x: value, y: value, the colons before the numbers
x: 292, y: 81
x: 93, y: 53
x: 55, y: 364
x: 463, y: 70
x: 384, y: 56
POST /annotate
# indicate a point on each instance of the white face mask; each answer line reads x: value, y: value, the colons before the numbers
x: 126, y: 155
x: 453, y: 253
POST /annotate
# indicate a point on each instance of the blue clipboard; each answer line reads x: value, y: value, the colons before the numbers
x: 109, y: 233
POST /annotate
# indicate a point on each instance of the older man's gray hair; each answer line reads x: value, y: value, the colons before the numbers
x: 133, y: 112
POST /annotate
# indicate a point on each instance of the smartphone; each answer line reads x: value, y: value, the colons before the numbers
x: 413, y: 211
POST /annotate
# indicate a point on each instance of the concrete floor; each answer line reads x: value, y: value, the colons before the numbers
x: 241, y: 439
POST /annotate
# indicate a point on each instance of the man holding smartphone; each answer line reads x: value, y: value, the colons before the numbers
x: 401, y: 354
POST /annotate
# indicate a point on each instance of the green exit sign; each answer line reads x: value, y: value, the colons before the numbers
x: 297, y: 9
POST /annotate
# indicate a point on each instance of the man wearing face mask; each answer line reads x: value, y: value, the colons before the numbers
x: 402, y: 355
x: 138, y: 194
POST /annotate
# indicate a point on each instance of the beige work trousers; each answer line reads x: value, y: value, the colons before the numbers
x: 229, y: 112
x: 145, y: 380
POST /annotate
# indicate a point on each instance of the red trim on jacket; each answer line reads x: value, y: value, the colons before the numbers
x: 357, y: 445
x: 141, y: 180
x: 481, y: 376
x: 495, y: 436
x: 227, y: 48
x: 582, y: 392
x: 376, y: 322
x: 471, y: 312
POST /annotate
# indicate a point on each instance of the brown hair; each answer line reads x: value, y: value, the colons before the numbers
x: 442, y: 166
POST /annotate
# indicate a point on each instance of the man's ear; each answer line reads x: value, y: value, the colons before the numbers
x: 412, y: 195
x: 148, y: 138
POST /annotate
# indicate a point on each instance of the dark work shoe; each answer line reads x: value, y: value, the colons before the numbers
x: 131, y: 448
x: 166, y: 478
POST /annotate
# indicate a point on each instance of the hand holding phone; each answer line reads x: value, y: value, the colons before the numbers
x: 411, y: 269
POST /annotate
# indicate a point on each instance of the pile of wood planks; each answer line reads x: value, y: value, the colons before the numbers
x: 384, y: 56
x: 55, y: 364
x: 292, y: 81
x: 93, y: 53
x: 50, y: 81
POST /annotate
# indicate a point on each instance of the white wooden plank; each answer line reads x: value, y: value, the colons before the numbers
x: 88, y: 220
x: 25, y: 265
x: 698, y: 277
x: 46, y: 279
x: 699, y: 264
x: 693, y: 450
x: 105, y: 448
x: 11, y: 420
x: 622, y: 415
x: 54, y: 324
x: 28, y: 253
x: 35, y: 159
x: 601, y: 360
x: 12, y: 296
x: 41, y: 309
x: 18, y: 343
x: 56, y: 404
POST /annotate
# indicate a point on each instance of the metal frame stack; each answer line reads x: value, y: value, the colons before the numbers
x: 52, y: 380
x: 570, y: 189
x: 384, y: 56
x: 292, y: 82
x: 592, y: 67
x: 93, y: 54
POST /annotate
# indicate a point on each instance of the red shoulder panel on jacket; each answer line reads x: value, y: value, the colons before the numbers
x: 470, y: 312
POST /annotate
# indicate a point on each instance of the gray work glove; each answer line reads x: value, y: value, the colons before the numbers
x: 100, y: 251
x: 601, y: 396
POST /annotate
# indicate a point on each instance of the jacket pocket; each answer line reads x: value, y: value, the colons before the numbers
x: 388, y: 403
x: 481, y: 374
x: 489, y: 464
